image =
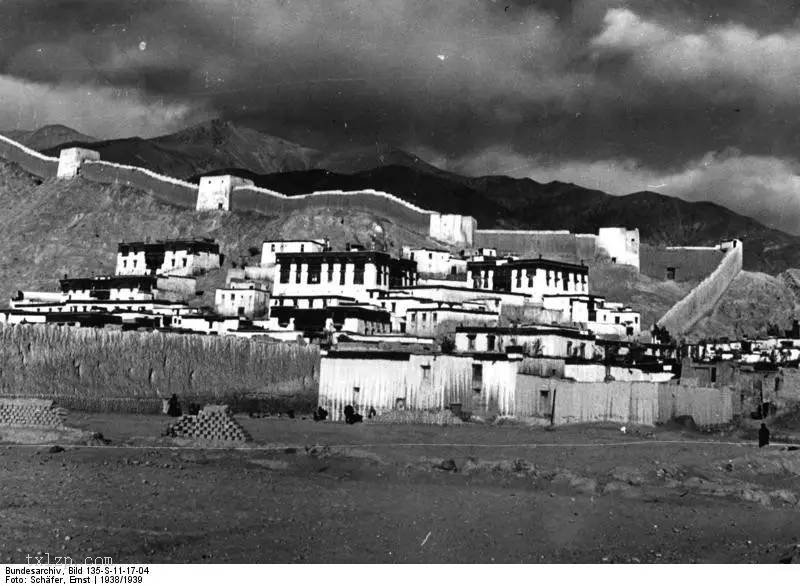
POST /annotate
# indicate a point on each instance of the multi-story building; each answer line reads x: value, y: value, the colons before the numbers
x: 348, y: 274
x: 167, y: 257
x: 533, y: 277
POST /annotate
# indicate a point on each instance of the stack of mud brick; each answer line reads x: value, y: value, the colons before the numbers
x: 31, y: 413
x: 213, y: 422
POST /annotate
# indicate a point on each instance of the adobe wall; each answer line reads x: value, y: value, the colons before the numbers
x: 619, y: 244
x: 701, y: 300
x: 271, y: 203
x: 707, y: 406
x: 31, y: 161
x: 640, y: 403
x: 165, y: 189
x: 690, y: 263
x: 556, y: 245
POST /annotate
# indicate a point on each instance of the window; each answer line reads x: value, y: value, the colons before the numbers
x: 548, y: 276
x: 134, y: 264
x: 330, y: 272
x: 519, y: 278
x: 530, y: 279
x: 424, y: 317
x: 430, y: 255
x: 713, y: 375
x: 490, y: 343
x: 356, y: 389
x: 616, y: 319
x: 358, y: 274
x: 670, y: 273
x: 272, y: 248
x: 477, y: 377
x: 394, y: 307
x: 302, y: 248
x: 298, y: 274
x: 471, y: 342
x: 426, y: 372
x: 434, y: 318
x: 124, y: 263
x: 565, y: 281
x: 569, y: 348
x: 342, y: 273
x: 184, y: 262
x: 314, y: 274
x: 284, y: 276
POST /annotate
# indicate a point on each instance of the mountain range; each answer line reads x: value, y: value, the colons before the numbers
x: 495, y: 201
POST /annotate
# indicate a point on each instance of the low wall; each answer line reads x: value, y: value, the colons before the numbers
x: 94, y: 369
x: 639, y: 403
x: 690, y: 263
x: 707, y: 406
x: 31, y: 161
x: 701, y: 300
x: 165, y: 189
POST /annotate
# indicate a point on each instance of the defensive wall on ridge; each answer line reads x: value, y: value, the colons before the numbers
x: 618, y: 245
x: 701, y: 300
x: 686, y: 263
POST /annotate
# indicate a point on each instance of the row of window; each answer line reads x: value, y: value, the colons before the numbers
x: 134, y: 263
x: 314, y: 274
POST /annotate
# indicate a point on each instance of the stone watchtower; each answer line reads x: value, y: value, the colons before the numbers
x: 70, y: 160
x: 215, y: 191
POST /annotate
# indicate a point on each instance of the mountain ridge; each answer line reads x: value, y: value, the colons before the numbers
x: 496, y: 201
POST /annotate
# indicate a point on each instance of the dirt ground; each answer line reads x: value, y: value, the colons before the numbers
x: 323, y: 492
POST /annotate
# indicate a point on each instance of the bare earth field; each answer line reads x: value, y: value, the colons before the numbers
x: 323, y: 492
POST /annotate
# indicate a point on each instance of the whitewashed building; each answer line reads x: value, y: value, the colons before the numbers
x: 435, y: 261
x: 271, y: 248
x: 532, y: 277
x: 348, y: 274
x: 167, y: 257
x: 540, y: 341
x: 242, y: 298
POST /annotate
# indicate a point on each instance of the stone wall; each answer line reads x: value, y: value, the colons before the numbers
x: 702, y: 299
x: 691, y: 263
x: 31, y: 161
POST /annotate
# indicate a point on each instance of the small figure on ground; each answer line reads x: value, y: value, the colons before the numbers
x: 372, y: 413
x: 763, y: 436
x: 350, y: 415
x: 320, y: 414
x: 174, y: 407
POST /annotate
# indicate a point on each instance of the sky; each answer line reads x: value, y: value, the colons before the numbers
x: 697, y: 99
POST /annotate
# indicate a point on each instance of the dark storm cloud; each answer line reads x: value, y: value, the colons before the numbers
x: 623, y: 95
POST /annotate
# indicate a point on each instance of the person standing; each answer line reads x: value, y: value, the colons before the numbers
x: 763, y: 436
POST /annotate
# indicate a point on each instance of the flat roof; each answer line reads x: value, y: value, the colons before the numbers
x: 526, y: 330
x: 532, y: 262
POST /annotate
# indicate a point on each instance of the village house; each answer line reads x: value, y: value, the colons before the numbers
x: 532, y: 277
x: 349, y: 274
x: 242, y: 298
x: 168, y: 257
x: 435, y: 262
x: 271, y: 248
x: 435, y: 321
x: 535, y: 340
x: 357, y: 319
x: 310, y: 301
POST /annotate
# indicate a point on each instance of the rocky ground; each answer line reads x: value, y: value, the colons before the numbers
x: 321, y: 492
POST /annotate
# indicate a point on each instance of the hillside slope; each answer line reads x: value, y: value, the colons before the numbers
x: 752, y: 303
x: 49, y: 229
x: 47, y: 137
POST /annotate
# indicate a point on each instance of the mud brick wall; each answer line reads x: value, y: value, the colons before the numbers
x: 31, y: 413
x: 213, y: 422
